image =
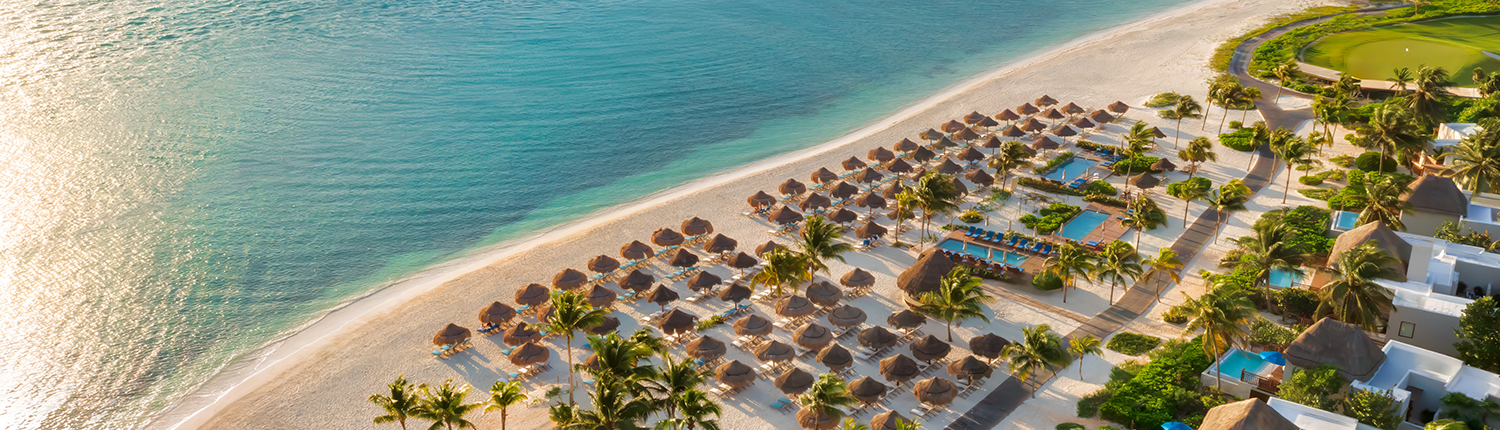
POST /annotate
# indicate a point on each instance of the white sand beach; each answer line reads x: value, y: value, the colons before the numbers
x: 323, y: 381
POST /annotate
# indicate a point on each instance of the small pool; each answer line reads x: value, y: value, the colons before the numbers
x: 1284, y: 278
x: 1082, y: 224
x: 1343, y: 220
x: 1238, y: 360
x: 982, y: 251
x: 1071, y: 169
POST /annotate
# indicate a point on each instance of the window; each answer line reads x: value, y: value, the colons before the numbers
x: 1407, y: 330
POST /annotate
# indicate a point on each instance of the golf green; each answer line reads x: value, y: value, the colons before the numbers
x: 1457, y: 44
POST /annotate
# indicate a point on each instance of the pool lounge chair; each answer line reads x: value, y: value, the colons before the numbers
x: 1022, y: 245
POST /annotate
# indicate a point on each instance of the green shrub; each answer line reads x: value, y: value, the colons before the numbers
x: 1175, y: 315
x: 1071, y: 426
x: 1307, y: 88
x: 1351, y: 198
x: 1239, y: 140
x: 1106, y: 200
x: 1135, y: 166
x: 1108, y: 428
x: 1048, y: 187
x: 1088, y: 405
x: 971, y: 217
x: 1311, y: 224
x: 1367, y: 162
x: 1313, y: 387
x: 1053, y: 217
x: 1156, y: 394
x: 1053, y: 163
x: 1317, y: 193
x: 1100, y: 187
x: 1265, y: 332
x: 1298, y: 301
x: 1046, y: 281
x: 1132, y: 343
x: 1163, y: 100
x: 1095, y: 146
x: 1310, y: 180
x: 1344, y: 161
x: 1236, y: 125
x: 1332, y: 175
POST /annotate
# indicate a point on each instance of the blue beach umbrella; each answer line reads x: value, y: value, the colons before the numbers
x: 1273, y: 357
x: 1175, y: 426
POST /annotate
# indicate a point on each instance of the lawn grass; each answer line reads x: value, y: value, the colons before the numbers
x: 1456, y: 44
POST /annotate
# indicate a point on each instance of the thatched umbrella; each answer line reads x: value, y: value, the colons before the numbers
x: 1145, y: 180
x: 869, y: 230
x: 635, y: 250
x: 794, y: 380
x: 930, y: 348
x: 784, y: 215
x: 603, y: 263
x: 529, y: 354
x: 760, y: 199
x: 898, y: 166
x: 1163, y: 165
x: 988, y: 345
x: 753, y: 325
x: 697, y: 226
x: 882, y: 155
x: 703, y: 280
x: 1045, y: 100
x: 872, y: 201
x: 1118, y: 107
x: 935, y: 391
x: 636, y: 281
x: 720, y: 243
x: 971, y: 154
x: 853, y: 163
x: 1054, y: 114
x: 974, y: 117
x: 980, y: 177
x: 1031, y: 125
x: 742, y: 261
x: 794, y: 306
x: 601, y: 297
x: 889, y: 193
x: 890, y: 420
x: 813, y: 336
x: 666, y: 237
x: 948, y: 167
x: 1156, y: 131
x: 1013, y: 132
x: 774, y: 351
x: 959, y: 187
x: 592, y: 362
x: 867, y: 390
x: 836, y: 357
x: 610, y: 324
x: 877, y: 337
x: 735, y: 374
x: 453, y: 334
x: 735, y: 293
x: 992, y: 143
x: 846, y: 316
x: 706, y: 348
x: 969, y: 369
x: 544, y: 312
x: 867, y: 176
x: 767, y: 247
x: 823, y: 175
x: 953, y: 126
x: 924, y: 275
x: 1044, y: 142
x: 532, y: 295
x: 1064, y: 131
x: 945, y: 143
x: 683, y: 258
x: 824, y: 294
x: 843, y: 216
x: 1074, y: 109
x: 857, y: 278
x: 569, y: 279
x: 814, y: 201
x: 843, y: 190
x: 1101, y: 117
x: 1027, y: 109
x: 899, y: 368
x: 906, y: 319
x: 677, y: 321
x: 906, y: 145
x: 966, y: 134
x: 521, y: 333
x: 816, y: 419
x: 661, y: 295
x: 791, y: 186
x: 923, y: 155
x: 496, y: 313
x: 1084, y: 123
x: 987, y: 123
x: 1007, y: 115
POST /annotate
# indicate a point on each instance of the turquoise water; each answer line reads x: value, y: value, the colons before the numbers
x: 1345, y: 220
x: 982, y: 251
x: 187, y: 182
x: 1082, y: 224
x: 1071, y: 169
x: 1284, y: 278
x: 1239, y: 360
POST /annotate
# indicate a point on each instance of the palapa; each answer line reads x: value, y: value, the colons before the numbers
x: 636, y: 281
x: 812, y: 336
x: 1383, y: 238
x: 877, y: 337
x: 970, y: 154
x: 930, y: 348
x: 794, y: 306
x: 569, y: 279
x: 869, y: 230
x: 1102, y: 117
x: 898, y: 166
x: 666, y: 237
x: 969, y: 368
x: 948, y: 167
x: 1248, y: 414
x: 1045, y: 100
x: 857, y: 278
x: 1084, y: 123
x: 846, y: 316
x: 521, y: 333
x: 544, y: 312
x: 742, y: 261
x: 867, y: 390
x: 784, y: 215
x: 1437, y: 195
x: 1031, y: 125
x: 923, y: 155
x: 906, y: 145
x: 980, y: 177
x: 735, y: 374
x: 882, y: 155
x: 706, y: 348
x: 496, y: 314
x: 1163, y: 165
x: 774, y: 351
x: 1027, y: 109
x: 661, y: 295
x: 1144, y: 180
x: 814, y: 201
x: 993, y: 143
x: 794, y: 380
x: 974, y: 117
x: 966, y: 134
x: 1156, y: 131
x: 953, y: 126
x: 853, y: 163
x: 601, y: 297
x: 843, y: 216
x: 872, y: 201
x: 603, y: 263
x: 1074, y: 109
x: 767, y: 247
x: 935, y: 391
x: 836, y: 357
x: 988, y: 345
x: 610, y: 324
x: 1118, y: 107
x: 636, y: 250
x: 1339, y: 344
x: 753, y: 325
x: 823, y: 175
x: 760, y: 199
x: 889, y: 193
x: 530, y: 353
x: 899, y: 368
x: 1053, y: 114
x: 791, y: 186
x: 1044, y: 143
x: 1013, y: 132
x: 817, y: 419
x: 703, y: 280
x: 987, y: 122
x: 925, y: 275
x: 720, y: 243
x: 959, y: 187
x: 906, y: 319
x: 890, y: 420
x: 677, y: 321
x: 592, y: 362
x: 824, y: 294
x: 867, y: 176
x: 1064, y: 131
x: 1007, y: 115
x: 843, y: 190
x: 532, y: 295
x: 683, y: 258
x: 735, y: 293
x: 697, y: 227
x: 451, y: 334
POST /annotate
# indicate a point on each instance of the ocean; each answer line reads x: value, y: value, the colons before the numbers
x: 185, y: 182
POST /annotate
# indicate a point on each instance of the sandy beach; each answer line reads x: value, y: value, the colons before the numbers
x: 321, y: 377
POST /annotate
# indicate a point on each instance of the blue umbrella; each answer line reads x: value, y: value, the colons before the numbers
x: 1273, y: 357
x: 1175, y: 426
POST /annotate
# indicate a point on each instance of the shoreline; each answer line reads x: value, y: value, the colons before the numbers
x: 298, y: 347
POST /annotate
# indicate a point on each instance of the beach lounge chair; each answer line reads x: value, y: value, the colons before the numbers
x: 1022, y: 245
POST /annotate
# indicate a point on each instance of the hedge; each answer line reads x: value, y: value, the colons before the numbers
x: 1242, y: 140
x: 1132, y: 343
x: 1367, y: 162
x: 1311, y: 180
x: 1153, y: 397
x: 1317, y: 193
x: 1106, y: 200
x: 1046, y: 281
x: 1088, y: 406
x: 1135, y: 165
x: 1046, y: 186
x: 1100, y: 187
x: 1095, y: 146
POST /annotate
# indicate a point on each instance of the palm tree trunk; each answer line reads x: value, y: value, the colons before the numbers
x: 1205, y: 114
x: 1080, y: 366
x: 570, y: 370
x: 1138, y: 234
x: 1288, y: 189
x: 503, y: 413
x: 1112, y: 293
x: 1186, y: 204
x: 1222, y: 118
x: 1065, y: 288
x: 1154, y: 277
x: 1177, y: 136
x: 950, y: 330
x: 1219, y: 370
x: 1278, y: 90
x: 403, y: 424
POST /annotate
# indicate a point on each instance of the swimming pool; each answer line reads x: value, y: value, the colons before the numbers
x: 1284, y: 278
x: 1082, y: 224
x: 982, y: 251
x: 1343, y: 220
x: 1071, y: 169
x: 1238, y: 360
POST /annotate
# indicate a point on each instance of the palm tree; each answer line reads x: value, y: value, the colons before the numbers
x: 1226, y: 200
x: 1475, y: 162
x: 1271, y: 247
x: 502, y: 396
x: 446, y: 407
x: 1429, y: 90
x: 783, y: 268
x: 571, y: 313
x: 1119, y: 264
x: 1186, y: 108
x: 1166, y: 262
x: 1249, y: 95
x: 1083, y: 347
x: 1293, y: 151
x: 1012, y: 155
x: 820, y: 242
x: 1137, y: 142
x: 1384, y: 195
x: 1331, y: 111
x: 958, y: 298
x: 1394, y: 131
x: 400, y: 404
x: 1347, y: 86
x: 1199, y: 150
x: 1353, y: 297
x: 1416, y: 6
x: 1285, y: 72
x: 1070, y: 262
x: 934, y: 194
x: 1188, y: 191
x: 1446, y: 424
x: 1222, y: 316
x: 1039, y: 348
x: 1218, y: 86
x: 1144, y: 215
x: 826, y: 396
x: 671, y: 380
x: 620, y: 359
x: 851, y: 424
x: 696, y: 409
x: 914, y: 424
x: 614, y: 409
x: 1232, y: 93
x: 1400, y: 78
